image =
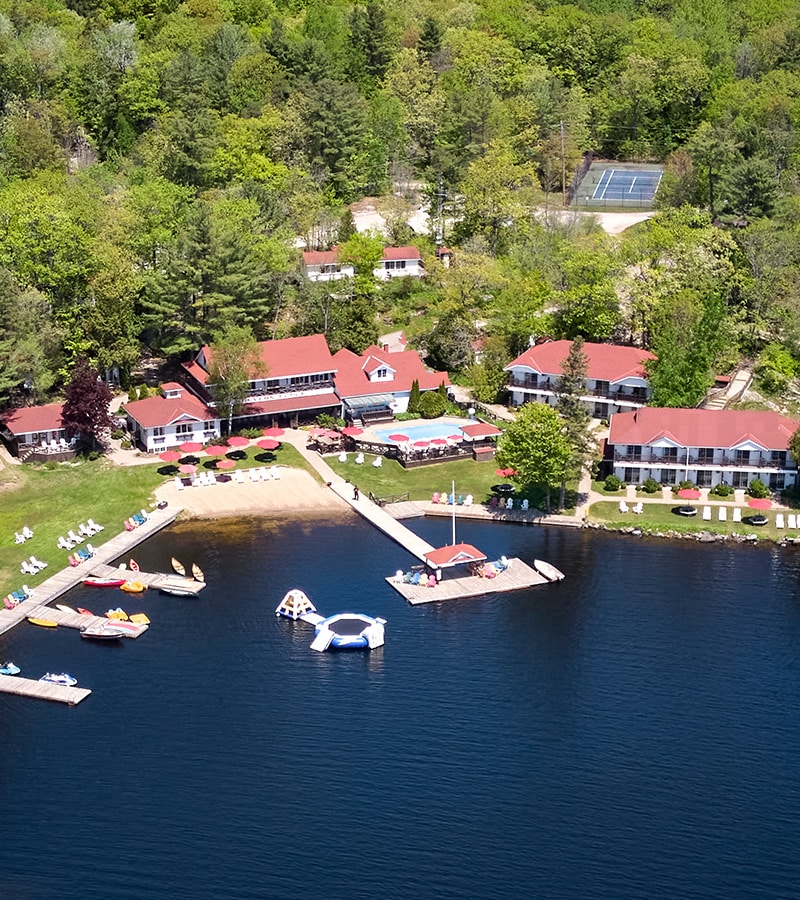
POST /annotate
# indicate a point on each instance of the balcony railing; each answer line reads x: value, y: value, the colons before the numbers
x: 551, y: 386
x: 727, y: 462
x: 284, y: 390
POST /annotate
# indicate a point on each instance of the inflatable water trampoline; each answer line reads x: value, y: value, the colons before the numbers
x: 343, y: 631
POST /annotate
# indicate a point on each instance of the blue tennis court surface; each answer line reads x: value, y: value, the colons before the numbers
x: 624, y: 186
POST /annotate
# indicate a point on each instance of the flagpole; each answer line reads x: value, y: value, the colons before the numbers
x: 453, y: 495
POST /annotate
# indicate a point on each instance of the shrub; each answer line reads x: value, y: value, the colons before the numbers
x: 126, y: 445
x: 612, y: 483
x: 432, y: 404
x: 118, y: 434
x: 757, y: 488
x: 324, y: 420
x: 684, y: 486
x: 251, y: 433
x: 651, y: 486
x: 721, y: 490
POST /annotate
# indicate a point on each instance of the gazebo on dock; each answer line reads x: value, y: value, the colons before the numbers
x: 454, y: 555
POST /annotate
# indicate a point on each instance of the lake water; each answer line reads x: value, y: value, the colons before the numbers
x: 629, y: 733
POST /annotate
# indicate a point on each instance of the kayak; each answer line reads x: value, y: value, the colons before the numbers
x: 45, y: 623
x: 8, y: 668
x: 104, y: 582
x: 176, y: 590
x: 85, y: 612
x: 64, y: 608
x: 197, y: 573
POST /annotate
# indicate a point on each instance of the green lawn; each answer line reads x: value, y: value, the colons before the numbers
x: 659, y: 517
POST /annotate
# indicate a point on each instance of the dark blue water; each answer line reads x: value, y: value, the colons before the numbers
x: 630, y: 733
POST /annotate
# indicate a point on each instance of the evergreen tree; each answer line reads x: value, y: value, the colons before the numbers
x: 572, y: 409
x: 413, y: 398
x: 430, y: 39
x: 85, y: 412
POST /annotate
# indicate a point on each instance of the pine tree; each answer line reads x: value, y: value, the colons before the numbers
x: 413, y: 399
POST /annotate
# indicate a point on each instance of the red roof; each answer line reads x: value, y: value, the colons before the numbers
x: 289, y: 404
x: 288, y: 357
x: 321, y: 257
x: 480, y: 429
x: 605, y: 362
x: 196, y: 371
x: 401, y: 253
x: 30, y: 419
x: 351, y: 376
x: 726, y: 428
x: 454, y: 555
x: 158, y: 412
x: 172, y: 386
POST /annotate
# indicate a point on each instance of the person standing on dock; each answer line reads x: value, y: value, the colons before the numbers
x: 355, y: 492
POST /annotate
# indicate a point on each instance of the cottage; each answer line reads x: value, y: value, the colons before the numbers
x: 324, y: 265
x: 616, y: 376
x: 706, y: 446
x: 29, y: 430
x: 169, y: 419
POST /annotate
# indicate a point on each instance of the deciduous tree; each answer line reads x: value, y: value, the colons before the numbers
x: 86, y: 412
x: 235, y: 360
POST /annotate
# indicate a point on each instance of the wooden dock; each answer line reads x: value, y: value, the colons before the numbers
x: 151, y: 579
x: 78, y: 620
x: 42, y: 690
x: 452, y: 587
x: 66, y: 579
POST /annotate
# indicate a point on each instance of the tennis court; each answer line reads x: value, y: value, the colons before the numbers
x: 621, y: 185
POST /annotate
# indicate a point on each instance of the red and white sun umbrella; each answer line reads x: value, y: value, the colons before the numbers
x: 225, y: 464
x: 170, y: 455
x: 216, y: 450
x: 238, y: 441
x: 421, y: 445
x: 273, y: 432
x: 438, y: 442
x: 191, y: 447
x: 268, y: 444
x: 352, y: 431
x: 399, y: 438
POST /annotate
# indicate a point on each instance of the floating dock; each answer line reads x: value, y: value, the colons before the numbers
x: 79, y: 620
x: 42, y: 690
x: 517, y: 577
x: 151, y: 579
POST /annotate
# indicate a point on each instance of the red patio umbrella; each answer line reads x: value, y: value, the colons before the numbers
x: 226, y: 463
x: 438, y: 442
x: 170, y: 455
x: 421, y: 445
x: 399, y: 438
x: 191, y: 446
x: 455, y: 438
x: 759, y: 503
x: 187, y: 469
x: 268, y: 444
x: 238, y: 441
x: 216, y: 450
x: 689, y: 494
x: 273, y: 432
x: 352, y: 431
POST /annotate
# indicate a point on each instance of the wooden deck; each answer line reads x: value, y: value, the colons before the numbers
x: 499, y: 514
x: 151, y: 579
x: 453, y: 587
x: 42, y: 690
x: 77, y: 620
x: 66, y: 579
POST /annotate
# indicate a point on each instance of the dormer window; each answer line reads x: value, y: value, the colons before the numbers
x: 382, y: 373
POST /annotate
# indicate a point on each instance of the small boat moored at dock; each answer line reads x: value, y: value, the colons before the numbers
x: 8, y: 668
x: 176, y: 588
x: 85, y: 612
x: 178, y: 566
x: 133, y: 587
x: 104, y: 582
x: 197, y: 573
x: 102, y: 632
x: 61, y: 678
x: 117, y: 614
x: 44, y: 623
x: 548, y: 571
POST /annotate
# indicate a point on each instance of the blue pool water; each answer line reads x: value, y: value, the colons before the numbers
x: 421, y: 432
x: 627, y: 734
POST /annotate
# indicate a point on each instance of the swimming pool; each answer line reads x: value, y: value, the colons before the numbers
x: 424, y: 432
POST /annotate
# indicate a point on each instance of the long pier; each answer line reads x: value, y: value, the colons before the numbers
x: 64, y: 580
x: 42, y: 690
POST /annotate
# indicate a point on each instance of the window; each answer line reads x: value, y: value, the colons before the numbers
x: 394, y: 264
x: 778, y: 457
x: 631, y: 475
x: 777, y: 481
x: 742, y: 457
x: 635, y: 451
x: 330, y: 269
x: 706, y: 455
x: 670, y: 454
x: 739, y: 479
x: 157, y: 431
x: 669, y: 476
x: 601, y: 387
x: 184, y: 428
x: 704, y: 478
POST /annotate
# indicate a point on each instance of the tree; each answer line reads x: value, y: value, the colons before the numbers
x: 794, y: 445
x: 572, y: 409
x: 413, y: 398
x: 535, y: 447
x: 85, y: 411
x: 235, y: 360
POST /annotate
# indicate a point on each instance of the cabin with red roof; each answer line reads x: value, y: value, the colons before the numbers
x: 297, y: 382
x: 377, y: 384
x: 36, y: 432
x: 616, y: 376
x: 705, y: 446
x: 167, y: 420
x: 324, y: 265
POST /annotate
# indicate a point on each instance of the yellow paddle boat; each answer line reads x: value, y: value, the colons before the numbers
x: 133, y: 587
x: 139, y: 619
x: 117, y: 614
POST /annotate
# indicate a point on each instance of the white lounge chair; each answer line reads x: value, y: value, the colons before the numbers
x: 264, y: 473
x: 779, y: 522
x: 377, y: 462
x: 510, y: 503
x: 211, y: 478
x: 468, y: 500
x: 276, y: 475
x: 179, y: 483
x: 62, y: 444
x: 736, y: 516
x: 75, y: 538
x: 94, y: 526
x: 238, y: 476
x: 254, y: 476
x: 638, y: 508
x: 706, y: 513
x: 623, y: 506
x: 26, y: 532
x: 360, y: 459
x: 525, y: 503
x: 38, y: 564
x: 91, y: 550
x: 63, y: 544
x: 342, y: 457
x: 791, y: 520
x: 27, y: 569
x: 722, y: 515
x: 54, y: 445
x: 144, y: 514
x: 19, y: 538
x: 84, y: 530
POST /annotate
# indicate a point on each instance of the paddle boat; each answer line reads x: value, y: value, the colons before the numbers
x: 139, y: 619
x: 59, y: 678
x: 8, y: 668
x: 133, y: 587
x: 117, y: 614
x: 102, y: 632
x: 103, y: 582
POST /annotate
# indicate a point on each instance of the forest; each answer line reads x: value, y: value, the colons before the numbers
x: 159, y: 161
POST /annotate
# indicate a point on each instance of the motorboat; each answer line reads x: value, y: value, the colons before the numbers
x: 61, y: 678
x: 176, y: 589
x: 548, y: 571
x: 104, y: 582
x: 102, y: 632
x: 8, y: 668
